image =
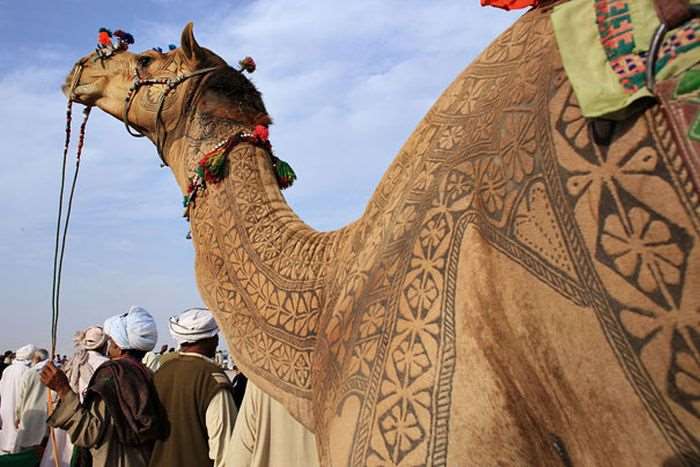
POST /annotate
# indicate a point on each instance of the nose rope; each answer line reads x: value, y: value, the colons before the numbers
x: 170, y: 84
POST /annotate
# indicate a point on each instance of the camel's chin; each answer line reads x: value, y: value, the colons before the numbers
x: 86, y: 94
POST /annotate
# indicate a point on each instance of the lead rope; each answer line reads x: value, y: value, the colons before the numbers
x: 59, y: 252
x: 54, y: 322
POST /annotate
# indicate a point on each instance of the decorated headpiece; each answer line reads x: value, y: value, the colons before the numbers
x: 109, y: 42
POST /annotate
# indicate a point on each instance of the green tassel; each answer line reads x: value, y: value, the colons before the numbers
x: 199, y: 170
x: 285, y: 174
x: 217, y: 164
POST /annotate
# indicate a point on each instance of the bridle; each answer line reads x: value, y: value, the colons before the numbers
x: 170, y: 84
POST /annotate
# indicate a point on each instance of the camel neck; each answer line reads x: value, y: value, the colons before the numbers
x: 262, y: 268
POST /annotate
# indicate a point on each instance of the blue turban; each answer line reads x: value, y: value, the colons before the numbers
x: 134, y: 330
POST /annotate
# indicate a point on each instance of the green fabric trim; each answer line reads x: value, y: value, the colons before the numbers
x: 596, y: 85
x: 645, y: 22
x: 689, y: 82
x: 688, y: 58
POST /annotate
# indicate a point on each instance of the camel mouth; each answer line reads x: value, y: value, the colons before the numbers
x: 82, y: 93
x: 76, y: 89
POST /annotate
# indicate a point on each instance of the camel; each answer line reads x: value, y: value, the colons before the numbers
x: 514, y: 294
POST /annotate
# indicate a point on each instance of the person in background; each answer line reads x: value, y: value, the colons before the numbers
x: 32, y: 406
x: 10, y: 386
x: 90, y: 353
x: 120, y: 417
x: 172, y: 353
x: 196, y: 395
x: 239, y: 382
x: 5, y: 361
x: 151, y: 361
x: 90, y: 347
x: 219, y: 358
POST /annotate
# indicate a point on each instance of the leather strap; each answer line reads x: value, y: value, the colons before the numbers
x: 672, y: 13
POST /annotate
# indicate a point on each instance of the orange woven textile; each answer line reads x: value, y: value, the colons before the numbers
x: 510, y: 4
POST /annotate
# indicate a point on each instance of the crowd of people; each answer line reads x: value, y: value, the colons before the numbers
x: 115, y: 402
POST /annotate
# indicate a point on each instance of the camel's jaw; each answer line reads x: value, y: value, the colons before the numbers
x: 82, y: 92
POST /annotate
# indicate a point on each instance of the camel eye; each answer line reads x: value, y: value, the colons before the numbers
x: 144, y: 60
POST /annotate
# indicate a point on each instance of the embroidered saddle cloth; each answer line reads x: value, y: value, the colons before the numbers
x: 604, y: 46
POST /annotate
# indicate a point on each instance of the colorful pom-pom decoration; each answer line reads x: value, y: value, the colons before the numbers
x: 125, y: 39
x: 247, y: 64
x: 106, y: 45
x: 104, y: 37
x: 261, y: 133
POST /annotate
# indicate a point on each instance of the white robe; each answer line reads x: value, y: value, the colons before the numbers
x: 10, y: 386
x: 151, y: 361
x: 32, y: 409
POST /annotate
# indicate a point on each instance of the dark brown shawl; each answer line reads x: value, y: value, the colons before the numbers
x: 126, y: 387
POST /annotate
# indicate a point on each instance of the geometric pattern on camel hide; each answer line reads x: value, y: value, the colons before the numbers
x: 490, y: 157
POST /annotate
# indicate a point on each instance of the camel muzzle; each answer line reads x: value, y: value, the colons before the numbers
x: 73, y: 79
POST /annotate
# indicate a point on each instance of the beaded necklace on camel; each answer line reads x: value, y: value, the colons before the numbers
x: 211, y: 168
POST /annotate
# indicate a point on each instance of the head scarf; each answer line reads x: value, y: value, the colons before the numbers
x: 82, y: 364
x: 134, y: 330
x: 193, y: 325
x: 93, y: 338
x: 24, y: 354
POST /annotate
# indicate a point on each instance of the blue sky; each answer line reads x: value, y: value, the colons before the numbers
x: 357, y: 76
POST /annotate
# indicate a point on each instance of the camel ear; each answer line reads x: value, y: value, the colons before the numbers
x: 194, y: 54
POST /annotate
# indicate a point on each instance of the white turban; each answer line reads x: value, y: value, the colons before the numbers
x: 25, y: 353
x: 134, y: 330
x: 193, y: 325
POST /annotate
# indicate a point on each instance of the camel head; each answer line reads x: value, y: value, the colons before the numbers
x: 122, y: 84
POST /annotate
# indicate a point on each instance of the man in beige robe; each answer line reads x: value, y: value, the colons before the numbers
x: 267, y: 435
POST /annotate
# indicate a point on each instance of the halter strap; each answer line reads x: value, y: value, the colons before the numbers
x: 170, y: 84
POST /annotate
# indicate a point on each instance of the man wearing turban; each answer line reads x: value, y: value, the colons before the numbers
x: 10, y: 388
x: 120, y: 417
x: 196, y: 394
